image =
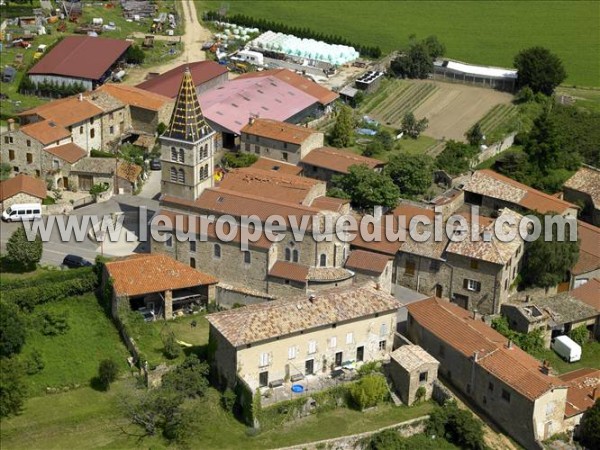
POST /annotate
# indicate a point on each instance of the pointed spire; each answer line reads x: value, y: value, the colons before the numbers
x: 187, y: 122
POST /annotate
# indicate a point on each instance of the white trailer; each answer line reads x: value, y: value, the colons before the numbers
x: 567, y: 348
x: 254, y: 58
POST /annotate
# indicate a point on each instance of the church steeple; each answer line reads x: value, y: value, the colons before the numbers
x: 187, y: 121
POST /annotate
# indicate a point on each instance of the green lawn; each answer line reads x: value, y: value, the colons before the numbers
x: 148, y: 336
x: 590, y: 357
x: 91, y: 419
x: 480, y: 32
x: 585, y: 98
x: 73, y: 358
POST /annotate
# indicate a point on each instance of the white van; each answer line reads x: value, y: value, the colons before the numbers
x: 567, y: 348
x: 22, y: 211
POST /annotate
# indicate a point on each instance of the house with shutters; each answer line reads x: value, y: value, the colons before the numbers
x: 302, y: 339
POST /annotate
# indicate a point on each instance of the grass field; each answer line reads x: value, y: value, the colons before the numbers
x: 495, y: 123
x: 585, y: 98
x: 480, y: 32
x: 590, y: 357
x: 73, y: 358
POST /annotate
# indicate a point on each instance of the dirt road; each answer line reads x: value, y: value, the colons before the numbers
x: 192, y: 41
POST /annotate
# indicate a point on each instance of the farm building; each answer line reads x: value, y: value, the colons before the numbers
x: 206, y: 75
x: 369, y: 81
x: 80, y: 59
x: 494, y: 77
x: 21, y: 189
x: 325, y: 162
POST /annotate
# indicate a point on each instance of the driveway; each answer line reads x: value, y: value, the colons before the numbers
x: 151, y: 188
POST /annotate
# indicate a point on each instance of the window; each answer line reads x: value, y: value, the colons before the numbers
x: 292, y: 352
x: 181, y: 155
x: 217, y: 251
x: 383, y: 330
x: 173, y: 175
x: 288, y: 254
x: 173, y: 154
x: 247, y: 257
x: 295, y: 256
x: 284, y: 156
x: 92, y: 133
x: 6, y: 139
x: 55, y: 163
x: 491, y: 386
x: 264, y: 360
x: 111, y: 129
x: 472, y: 285
x: 92, y: 121
x: 505, y: 395
x: 193, y: 263
x: 333, y: 342
x: 360, y: 353
x: 247, y: 147
x: 312, y: 347
x: 111, y: 116
x: 323, y: 260
x: 181, y: 176
x: 474, y: 264
x: 349, y: 338
x: 28, y: 143
x: 434, y: 265
x: 169, y: 241
x: 442, y: 351
x: 382, y: 345
x: 309, y: 367
x: 80, y: 130
x: 339, y: 358
x: 11, y: 155
x: 256, y: 149
x: 423, y: 377
x: 263, y: 379
x: 192, y: 246
x: 409, y: 268
x: 29, y: 158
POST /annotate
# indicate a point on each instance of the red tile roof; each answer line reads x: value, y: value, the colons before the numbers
x: 22, y: 184
x: 323, y: 95
x: 129, y: 171
x: 586, y: 180
x: 279, y: 131
x: 589, y: 248
x: 66, y: 111
x: 81, y: 57
x: 148, y: 273
x: 289, y: 271
x: 370, y: 262
x: 330, y: 204
x: 70, y: 152
x: 456, y: 327
x: 134, y: 96
x: 276, y: 166
x: 167, y: 84
x: 338, y: 160
x: 582, y: 385
x: 46, y: 131
x: 588, y: 293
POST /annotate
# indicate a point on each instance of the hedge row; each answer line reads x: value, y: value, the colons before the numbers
x: 28, y: 297
x: 45, y: 278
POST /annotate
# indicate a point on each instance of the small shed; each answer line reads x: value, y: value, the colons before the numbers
x: 9, y: 74
x: 410, y: 368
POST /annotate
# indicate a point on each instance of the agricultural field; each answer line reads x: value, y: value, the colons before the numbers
x: 478, y: 32
x: 497, y: 122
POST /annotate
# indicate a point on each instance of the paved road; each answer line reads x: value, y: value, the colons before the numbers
x: 151, y: 188
x: 55, y: 249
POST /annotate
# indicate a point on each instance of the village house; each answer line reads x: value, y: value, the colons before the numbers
x: 411, y: 368
x: 510, y: 386
x: 370, y: 266
x: 587, y: 266
x: 302, y: 339
x: 584, y: 188
x: 21, y: 189
x: 491, y: 190
x: 157, y: 285
x: 279, y: 140
x: 324, y: 162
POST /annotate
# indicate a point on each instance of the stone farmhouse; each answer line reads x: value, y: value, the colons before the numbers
x: 21, y: 189
x: 587, y: 266
x: 584, y: 188
x: 513, y: 388
x: 302, y: 339
x: 325, y: 162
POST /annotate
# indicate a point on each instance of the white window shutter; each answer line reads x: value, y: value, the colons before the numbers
x: 333, y: 342
x: 349, y: 338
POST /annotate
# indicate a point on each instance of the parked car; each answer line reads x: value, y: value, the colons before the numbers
x: 155, y: 164
x: 74, y: 262
x: 567, y: 348
x: 22, y: 212
x: 147, y: 314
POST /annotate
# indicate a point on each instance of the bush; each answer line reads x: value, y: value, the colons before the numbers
x: 189, y: 378
x: 458, y: 426
x: 237, y: 160
x: 228, y: 399
x: 12, y: 387
x: 23, y: 252
x: 101, y: 154
x: 12, y: 330
x: 135, y: 55
x: 369, y: 368
x: 34, y: 363
x: 98, y: 189
x: 420, y: 394
x: 369, y: 391
x: 53, y: 324
x: 589, y: 429
x: 107, y: 372
x: 172, y: 349
x: 580, y: 335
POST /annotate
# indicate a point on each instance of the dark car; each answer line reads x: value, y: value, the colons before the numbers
x: 74, y: 262
x: 155, y: 164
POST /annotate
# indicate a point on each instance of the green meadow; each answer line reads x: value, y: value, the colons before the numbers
x: 480, y: 32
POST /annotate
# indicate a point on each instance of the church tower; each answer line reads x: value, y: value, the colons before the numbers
x: 187, y: 147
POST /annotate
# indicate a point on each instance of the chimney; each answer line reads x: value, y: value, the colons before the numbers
x: 476, y: 356
x: 80, y: 97
x: 510, y: 344
x: 527, y: 298
x: 546, y: 367
x: 474, y: 316
x: 378, y: 286
x: 251, y: 120
x: 596, y: 394
x: 312, y: 298
x: 12, y: 125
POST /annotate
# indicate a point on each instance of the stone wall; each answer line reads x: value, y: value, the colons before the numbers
x: 427, y: 275
x: 227, y: 296
x: 19, y: 199
x: 22, y: 152
x: 496, y: 148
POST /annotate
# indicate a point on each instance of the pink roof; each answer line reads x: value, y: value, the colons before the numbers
x: 232, y: 104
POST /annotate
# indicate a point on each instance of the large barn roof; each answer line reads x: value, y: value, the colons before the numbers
x: 481, y: 71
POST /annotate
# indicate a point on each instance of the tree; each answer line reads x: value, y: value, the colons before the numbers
x: 12, y: 387
x: 475, y: 135
x: 189, y: 378
x: 236, y: 160
x: 367, y: 188
x: 434, y: 47
x: 456, y: 158
x: 416, y: 63
x: 5, y: 171
x: 343, y: 129
x: 458, y: 426
x: 172, y: 349
x: 107, y: 372
x: 22, y: 251
x: 373, y: 148
x: 135, y: 55
x: 580, y: 335
x: 539, y: 69
x: 547, y: 262
x: 412, y: 174
x: 369, y: 391
x: 12, y: 330
x: 386, y: 139
x: 413, y: 127
x: 589, y: 428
